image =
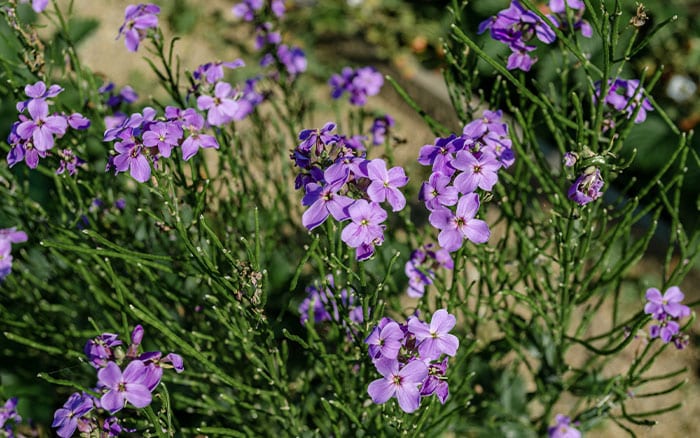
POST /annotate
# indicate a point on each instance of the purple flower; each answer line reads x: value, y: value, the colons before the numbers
x: 667, y: 304
x: 247, y: 9
x: 481, y: 172
x: 402, y: 383
x: 137, y: 20
x: 436, y: 383
x: 516, y: 27
x: 439, y: 155
x: 385, y: 341
x: 193, y: 124
x: 455, y: 227
x: 434, y: 339
x: 324, y: 200
x: 130, y: 156
x: 559, y: 6
x: 69, y: 162
x: 214, y: 71
x: 293, y: 59
x: 99, y: 350
x: 437, y: 192
x: 322, y: 302
x: 626, y: 96
x: 380, y: 128
x: 385, y: 183
x: 562, y: 428
x: 38, y: 91
x: 665, y: 330
x: 359, y: 84
x: 37, y: 5
x: 9, y: 412
x: 587, y: 187
x: 42, y: 127
x: 67, y: 418
x: 222, y: 107
x: 570, y: 159
x: 366, y: 229
x: 164, y: 136
x: 124, y: 387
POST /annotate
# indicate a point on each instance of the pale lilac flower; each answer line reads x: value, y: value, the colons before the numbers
x: 400, y: 383
x: 481, y: 172
x: 563, y: 428
x: 247, y: 9
x: 221, y: 107
x: 385, y: 341
x: 193, y: 123
x: 124, y: 387
x: 214, y: 71
x: 434, y: 339
x: 293, y: 59
x: 455, y: 227
x: 437, y: 192
x: 385, y: 183
x: 570, y: 159
x: 359, y: 84
x: 37, y: 5
x: 667, y: 304
x: 366, y: 227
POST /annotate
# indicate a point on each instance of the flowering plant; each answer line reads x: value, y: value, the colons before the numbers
x: 321, y: 275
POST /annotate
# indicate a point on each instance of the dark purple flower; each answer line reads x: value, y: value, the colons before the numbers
x: 436, y: 382
x: 562, y: 428
x: 124, y: 387
x: 67, y: 418
x: 666, y: 330
x: 439, y: 155
x: 587, y: 187
x: 625, y: 96
x: 380, y: 128
x: 323, y: 200
x: 137, y: 20
x: 455, y: 227
x: 402, y: 383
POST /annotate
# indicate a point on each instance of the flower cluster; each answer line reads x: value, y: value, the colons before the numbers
x: 460, y: 166
x: 517, y: 27
x: 33, y: 136
x: 563, y: 428
x: 8, y: 236
x: 8, y: 412
x: 37, y: 5
x: 380, y: 129
x: 587, y: 186
x: 326, y: 304
x: 249, y: 9
x: 667, y: 310
x: 141, y: 138
x: 339, y: 181
x: 138, y: 19
x: 117, y: 386
x: 420, y: 268
x: 410, y: 359
x: 359, y: 84
x: 625, y: 96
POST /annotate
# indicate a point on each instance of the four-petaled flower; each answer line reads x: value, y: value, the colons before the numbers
x: 455, y: 227
x: 402, y: 383
x: 122, y: 387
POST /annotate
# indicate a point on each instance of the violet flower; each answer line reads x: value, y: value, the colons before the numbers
x: 455, y: 227
x: 587, y: 187
x: 562, y: 428
x: 434, y: 339
x: 400, y: 383
x: 385, y: 183
x: 67, y: 418
x: 42, y: 128
x: 124, y: 387
x: 37, y: 5
x: 366, y: 228
x: 137, y: 20
x: 221, y: 108
x: 667, y: 304
x: 481, y: 172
